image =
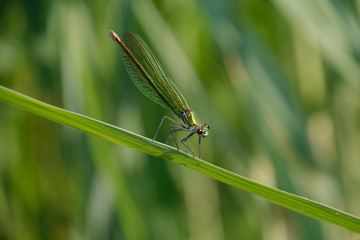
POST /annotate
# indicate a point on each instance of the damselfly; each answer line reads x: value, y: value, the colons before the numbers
x: 151, y: 79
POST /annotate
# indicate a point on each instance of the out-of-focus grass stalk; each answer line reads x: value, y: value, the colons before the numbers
x: 126, y: 138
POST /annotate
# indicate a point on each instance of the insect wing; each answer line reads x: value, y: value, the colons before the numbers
x: 148, y: 75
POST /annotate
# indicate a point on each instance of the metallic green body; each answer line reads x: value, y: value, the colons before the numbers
x: 151, y: 79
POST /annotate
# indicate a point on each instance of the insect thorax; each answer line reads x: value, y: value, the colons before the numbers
x: 188, y: 117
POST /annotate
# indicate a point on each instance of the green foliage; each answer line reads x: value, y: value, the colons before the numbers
x: 278, y: 82
x: 123, y: 137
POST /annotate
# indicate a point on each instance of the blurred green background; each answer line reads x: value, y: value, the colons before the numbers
x: 278, y: 82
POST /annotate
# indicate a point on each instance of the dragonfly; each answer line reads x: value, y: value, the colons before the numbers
x: 152, y: 80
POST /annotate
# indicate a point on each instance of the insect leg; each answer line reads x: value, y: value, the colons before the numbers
x: 172, y: 132
x: 199, y: 146
x: 184, y: 142
x: 166, y: 117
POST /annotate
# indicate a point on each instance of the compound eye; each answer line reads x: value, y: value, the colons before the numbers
x: 207, y: 126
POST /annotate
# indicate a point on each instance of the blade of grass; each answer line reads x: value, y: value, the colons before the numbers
x: 117, y: 135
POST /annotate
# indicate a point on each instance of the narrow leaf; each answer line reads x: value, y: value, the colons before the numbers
x: 117, y: 135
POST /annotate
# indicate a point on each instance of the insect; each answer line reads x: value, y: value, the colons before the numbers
x: 151, y: 79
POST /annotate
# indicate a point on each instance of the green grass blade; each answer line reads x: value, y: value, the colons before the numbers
x: 117, y: 135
